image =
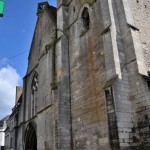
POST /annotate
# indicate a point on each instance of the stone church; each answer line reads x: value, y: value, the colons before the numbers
x: 87, y: 85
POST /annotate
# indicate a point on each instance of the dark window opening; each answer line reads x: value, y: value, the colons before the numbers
x: 74, y: 9
x: 107, y: 92
x: 146, y: 116
x: 2, y: 147
x: 148, y: 82
x: 30, y: 138
x: 34, y: 88
x: 41, y: 6
x: 11, y: 142
x: 86, y: 18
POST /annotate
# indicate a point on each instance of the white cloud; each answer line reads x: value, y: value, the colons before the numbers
x: 9, y: 79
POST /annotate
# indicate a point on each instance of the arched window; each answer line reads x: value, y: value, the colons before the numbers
x: 34, y: 88
x: 86, y: 18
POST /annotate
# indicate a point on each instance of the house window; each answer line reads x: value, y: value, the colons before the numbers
x: 11, y: 142
x: 86, y: 18
x: 34, y: 88
x: 148, y: 82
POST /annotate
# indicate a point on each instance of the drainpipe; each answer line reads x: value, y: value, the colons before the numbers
x: 24, y: 106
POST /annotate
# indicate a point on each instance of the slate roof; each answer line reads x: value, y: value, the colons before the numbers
x: 2, y: 121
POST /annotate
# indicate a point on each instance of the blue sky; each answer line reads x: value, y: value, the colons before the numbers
x: 16, y: 32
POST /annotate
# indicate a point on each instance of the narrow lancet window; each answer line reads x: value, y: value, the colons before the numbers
x: 34, y: 88
x: 86, y: 18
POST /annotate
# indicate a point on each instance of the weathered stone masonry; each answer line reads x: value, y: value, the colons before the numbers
x: 87, y: 85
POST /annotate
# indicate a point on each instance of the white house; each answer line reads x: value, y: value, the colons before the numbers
x: 2, y: 131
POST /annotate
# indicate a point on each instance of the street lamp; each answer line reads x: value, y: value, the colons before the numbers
x: 1, y: 8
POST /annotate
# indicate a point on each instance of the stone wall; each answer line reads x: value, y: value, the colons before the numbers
x: 41, y: 112
x: 107, y: 55
x: 134, y: 85
x: 88, y: 77
x: 141, y: 15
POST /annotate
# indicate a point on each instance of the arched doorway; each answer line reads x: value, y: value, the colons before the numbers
x: 30, y: 138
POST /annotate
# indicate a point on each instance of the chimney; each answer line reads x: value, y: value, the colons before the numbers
x: 19, y: 90
x: 41, y: 7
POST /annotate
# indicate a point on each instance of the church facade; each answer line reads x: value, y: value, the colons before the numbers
x: 87, y: 85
